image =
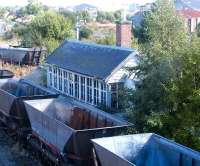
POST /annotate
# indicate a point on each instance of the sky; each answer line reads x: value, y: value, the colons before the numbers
x: 104, y: 4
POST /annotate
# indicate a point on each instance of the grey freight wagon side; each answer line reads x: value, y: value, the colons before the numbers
x: 12, y: 94
x: 65, y: 130
x: 143, y: 150
x: 6, y: 74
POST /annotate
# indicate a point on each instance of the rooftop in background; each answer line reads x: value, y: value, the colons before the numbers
x: 189, y: 13
x: 89, y: 59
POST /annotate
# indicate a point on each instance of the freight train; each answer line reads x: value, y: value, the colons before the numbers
x: 67, y: 134
x: 55, y: 127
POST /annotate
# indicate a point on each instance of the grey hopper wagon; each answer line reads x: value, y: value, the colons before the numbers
x: 65, y: 130
x: 143, y: 150
x: 12, y: 94
x: 6, y: 74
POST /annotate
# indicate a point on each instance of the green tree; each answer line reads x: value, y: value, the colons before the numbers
x: 85, y: 33
x: 166, y: 99
x: 107, y: 40
x: 198, y: 30
x: 69, y: 15
x: 166, y: 37
x: 100, y: 16
x: 32, y: 8
x: 47, y: 29
x: 84, y: 15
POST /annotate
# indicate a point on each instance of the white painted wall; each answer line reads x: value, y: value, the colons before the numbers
x: 121, y: 74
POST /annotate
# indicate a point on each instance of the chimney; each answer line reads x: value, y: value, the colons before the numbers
x: 123, y: 34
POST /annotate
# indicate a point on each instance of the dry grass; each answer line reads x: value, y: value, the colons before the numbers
x: 19, y: 71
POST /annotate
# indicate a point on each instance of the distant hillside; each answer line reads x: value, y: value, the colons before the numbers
x: 84, y: 6
x: 194, y: 4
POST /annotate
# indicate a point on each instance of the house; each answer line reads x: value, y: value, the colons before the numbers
x: 191, y: 18
x: 21, y: 56
x: 92, y: 73
x: 190, y: 11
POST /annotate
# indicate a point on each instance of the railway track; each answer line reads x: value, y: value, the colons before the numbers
x: 12, y: 153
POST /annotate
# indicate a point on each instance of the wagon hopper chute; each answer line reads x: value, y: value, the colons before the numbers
x: 65, y: 130
x: 143, y: 150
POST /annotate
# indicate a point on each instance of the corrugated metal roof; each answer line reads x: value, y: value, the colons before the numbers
x: 87, y: 58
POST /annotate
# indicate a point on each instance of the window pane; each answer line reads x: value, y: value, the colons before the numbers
x: 83, y: 88
x: 71, y: 84
x: 96, y: 92
x: 66, y: 82
x: 89, y: 90
x: 55, y: 77
x: 60, y: 75
x: 76, y: 79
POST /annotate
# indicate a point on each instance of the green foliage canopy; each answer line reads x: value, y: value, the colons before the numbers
x: 47, y: 29
x: 166, y: 100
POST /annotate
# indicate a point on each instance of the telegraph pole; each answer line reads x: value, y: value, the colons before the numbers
x: 78, y: 25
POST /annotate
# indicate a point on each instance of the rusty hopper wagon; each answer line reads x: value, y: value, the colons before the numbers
x: 6, y: 74
x: 12, y: 94
x: 143, y: 150
x: 63, y: 131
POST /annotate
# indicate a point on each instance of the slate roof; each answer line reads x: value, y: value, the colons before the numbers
x: 87, y: 58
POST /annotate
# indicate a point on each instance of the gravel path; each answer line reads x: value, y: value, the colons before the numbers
x: 11, y: 154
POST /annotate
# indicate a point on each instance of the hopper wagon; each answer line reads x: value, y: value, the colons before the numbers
x: 12, y: 94
x: 143, y: 150
x: 6, y: 74
x: 62, y: 131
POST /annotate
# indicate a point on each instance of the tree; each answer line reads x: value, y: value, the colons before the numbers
x: 166, y: 37
x: 84, y: 15
x: 198, y: 30
x: 100, y: 16
x: 85, y: 33
x: 107, y: 40
x: 47, y: 29
x: 32, y: 8
x: 69, y: 15
x: 166, y: 99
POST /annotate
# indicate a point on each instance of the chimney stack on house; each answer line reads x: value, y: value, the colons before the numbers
x: 123, y: 34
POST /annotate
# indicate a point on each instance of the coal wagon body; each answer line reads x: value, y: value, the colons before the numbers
x: 63, y: 131
x: 143, y: 150
x: 6, y: 74
x: 12, y: 94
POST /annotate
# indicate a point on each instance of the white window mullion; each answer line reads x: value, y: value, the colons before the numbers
x: 85, y: 89
x: 48, y: 76
x: 73, y: 78
x: 92, y: 91
x: 68, y: 85
x: 79, y: 77
x: 99, y: 99
x: 57, y: 79
x: 63, y: 81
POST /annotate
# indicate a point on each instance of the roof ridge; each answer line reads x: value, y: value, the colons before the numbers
x: 100, y: 45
